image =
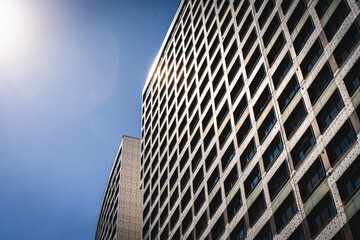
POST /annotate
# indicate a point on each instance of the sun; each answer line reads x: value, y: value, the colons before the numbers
x: 16, y: 25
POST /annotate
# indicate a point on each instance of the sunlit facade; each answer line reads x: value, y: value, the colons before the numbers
x: 250, y: 123
x: 120, y: 214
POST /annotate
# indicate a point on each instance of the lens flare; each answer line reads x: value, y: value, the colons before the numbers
x: 16, y: 25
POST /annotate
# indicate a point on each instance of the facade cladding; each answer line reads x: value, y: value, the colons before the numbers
x: 250, y: 123
x: 120, y: 214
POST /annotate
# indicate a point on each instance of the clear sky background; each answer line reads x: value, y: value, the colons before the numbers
x: 71, y: 76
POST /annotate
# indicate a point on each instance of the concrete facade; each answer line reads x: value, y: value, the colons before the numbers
x: 120, y: 214
x: 250, y: 122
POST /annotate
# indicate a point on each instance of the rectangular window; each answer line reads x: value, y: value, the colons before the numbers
x: 248, y: 154
x: 205, y: 101
x: 204, y: 83
x: 154, y: 231
x: 183, y: 123
x: 228, y: 37
x: 186, y: 222
x: 329, y: 111
x: 257, y: 80
x: 193, y: 122
x: 215, y: 203
x: 269, y: 7
x: 199, y: 201
x: 201, y: 225
x: 249, y: 42
x: 347, y: 44
x: 246, y: 25
x: 224, y: 135
x: 173, y: 160
x: 296, y: 15
x: 234, y: 206
x: 303, y: 147
x: 321, y: 215
x: 222, y: 114
x: 227, y: 20
x: 231, y: 180
x: 213, y: 179
x: 211, y: 157
x: 303, y: 35
x: 267, y: 125
x: 176, y: 236
x: 276, y: 49
x: 282, y: 70
x: 202, y: 51
x: 258, y: 4
x: 311, y: 58
x: 223, y: 10
x: 273, y: 151
x: 349, y: 182
x: 320, y: 83
x: 228, y: 156
x: 164, y: 216
x: 322, y: 6
x: 340, y: 142
x: 215, y: 62
x: 220, y: 94
x: 271, y: 29
x: 234, y: 70
x: 174, y: 197
x: 236, y: 4
x: 198, y: 180
x: 218, y: 229
x: 163, y: 197
x: 207, y: 118
x: 336, y: 19
x: 252, y: 61
x: 252, y: 180
x: 278, y: 180
x: 288, y: 93
x: 210, y: 18
x: 203, y: 68
x: 239, y: 110
x: 196, y: 160
x: 243, y: 131
x: 239, y: 232
x: 355, y: 225
x: 285, y: 5
x: 232, y: 51
x: 186, y: 199
x: 285, y: 212
x: 262, y: 102
x: 265, y: 233
x: 256, y: 210
x: 295, y: 119
x: 185, y: 179
x: 311, y: 179
x: 183, y: 141
x: 298, y: 233
x: 352, y: 79
x: 242, y: 11
x: 209, y: 136
x: 174, y: 219
x: 237, y: 89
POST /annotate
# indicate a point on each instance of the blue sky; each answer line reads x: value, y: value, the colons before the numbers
x: 71, y: 79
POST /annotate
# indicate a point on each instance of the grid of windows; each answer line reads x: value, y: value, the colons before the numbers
x: 116, y: 222
x: 249, y: 89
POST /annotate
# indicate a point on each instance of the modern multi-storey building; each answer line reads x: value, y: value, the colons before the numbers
x: 120, y: 214
x: 250, y: 122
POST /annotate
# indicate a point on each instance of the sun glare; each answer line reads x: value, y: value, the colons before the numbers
x: 16, y: 24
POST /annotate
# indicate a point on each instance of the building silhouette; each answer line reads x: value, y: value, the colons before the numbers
x: 250, y: 122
